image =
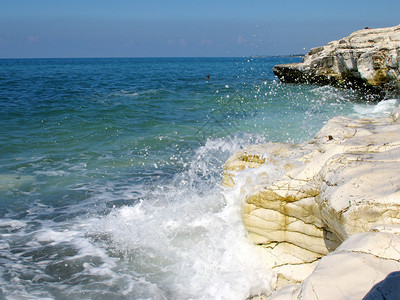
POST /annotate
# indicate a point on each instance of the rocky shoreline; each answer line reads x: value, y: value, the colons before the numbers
x: 368, y: 59
x: 327, y: 217
x: 331, y: 221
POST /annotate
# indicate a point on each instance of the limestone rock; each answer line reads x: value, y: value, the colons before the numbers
x: 367, y: 59
x: 362, y: 261
x: 301, y: 202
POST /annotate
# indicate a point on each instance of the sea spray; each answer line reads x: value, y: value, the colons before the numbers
x: 380, y: 109
x: 187, y: 237
x: 110, y: 179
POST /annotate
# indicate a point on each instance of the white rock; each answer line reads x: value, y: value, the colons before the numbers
x: 368, y: 58
x: 300, y: 202
x: 362, y: 261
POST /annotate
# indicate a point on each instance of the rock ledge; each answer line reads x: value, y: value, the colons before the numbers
x: 367, y: 59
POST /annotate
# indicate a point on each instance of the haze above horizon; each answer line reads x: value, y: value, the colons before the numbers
x: 177, y: 28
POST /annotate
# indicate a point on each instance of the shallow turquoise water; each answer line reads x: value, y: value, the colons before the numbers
x: 110, y: 171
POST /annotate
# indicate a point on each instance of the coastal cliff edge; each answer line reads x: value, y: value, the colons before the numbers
x: 367, y: 59
x: 325, y: 214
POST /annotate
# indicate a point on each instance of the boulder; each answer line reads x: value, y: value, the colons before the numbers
x: 368, y: 59
x: 301, y: 202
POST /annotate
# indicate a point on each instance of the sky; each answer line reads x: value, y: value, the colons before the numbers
x: 178, y: 28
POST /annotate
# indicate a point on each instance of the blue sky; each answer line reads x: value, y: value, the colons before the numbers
x: 168, y: 28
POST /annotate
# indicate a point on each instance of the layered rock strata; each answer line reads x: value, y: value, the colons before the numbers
x: 367, y: 59
x: 301, y: 202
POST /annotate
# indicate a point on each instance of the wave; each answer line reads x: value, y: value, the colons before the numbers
x: 186, y: 237
x: 380, y: 109
x: 182, y: 239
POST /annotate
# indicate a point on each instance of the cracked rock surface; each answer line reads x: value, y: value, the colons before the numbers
x: 326, y: 213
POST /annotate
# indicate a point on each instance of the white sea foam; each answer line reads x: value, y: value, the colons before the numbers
x: 183, y: 240
x: 10, y: 224
x: 380, y: 109
x: 327, y: 92
x: 187, y: 238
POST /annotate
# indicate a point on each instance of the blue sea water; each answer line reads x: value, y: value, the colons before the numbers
x: 110, y: 172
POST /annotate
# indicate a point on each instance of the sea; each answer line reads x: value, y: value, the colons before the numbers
x: 110, y: 172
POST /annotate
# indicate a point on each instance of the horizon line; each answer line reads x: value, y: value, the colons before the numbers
x: 150, y: 57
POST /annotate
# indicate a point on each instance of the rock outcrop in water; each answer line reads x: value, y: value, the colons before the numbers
x: 367, y: 59
x: 326, y: 212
